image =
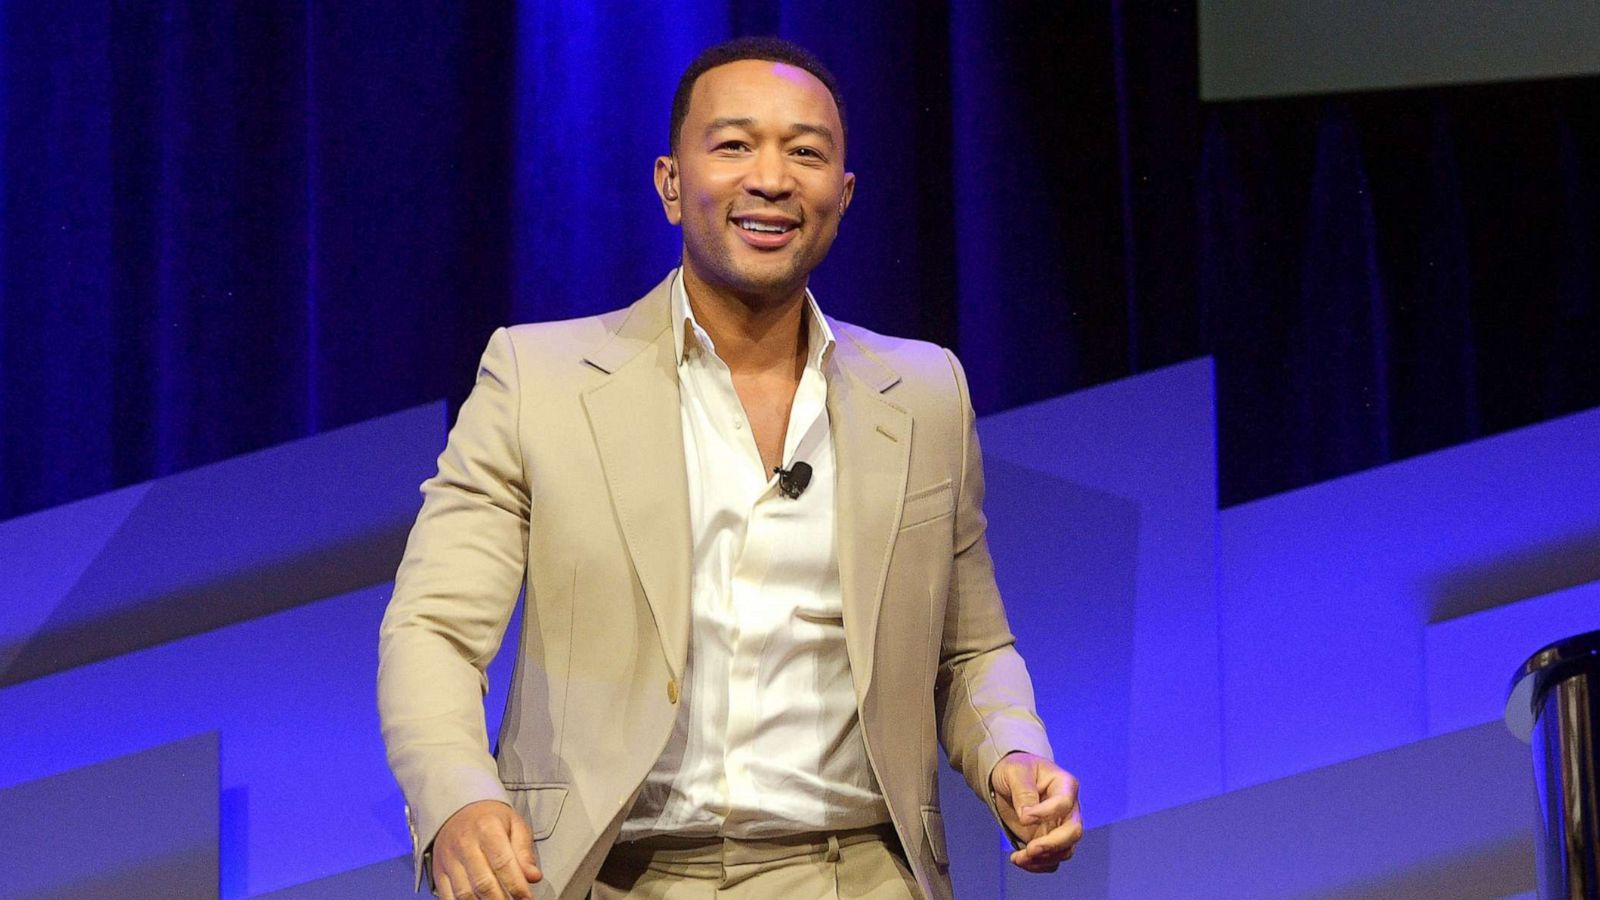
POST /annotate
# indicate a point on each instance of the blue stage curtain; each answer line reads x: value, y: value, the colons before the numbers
x: 230, y: 223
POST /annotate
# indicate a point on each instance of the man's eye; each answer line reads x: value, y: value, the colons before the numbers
x: 807, y: 151
x: 731, y: 145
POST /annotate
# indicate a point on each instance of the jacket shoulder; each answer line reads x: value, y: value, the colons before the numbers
x: 922, y: 363
x: 569, y: 342
x: 564, y: 336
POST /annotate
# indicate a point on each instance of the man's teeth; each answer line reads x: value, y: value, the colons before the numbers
x: 770, y: 228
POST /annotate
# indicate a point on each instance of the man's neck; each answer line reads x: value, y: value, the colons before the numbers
x: 751, y: 334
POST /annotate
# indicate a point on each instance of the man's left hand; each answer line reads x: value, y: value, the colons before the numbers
x: 1038, y: 802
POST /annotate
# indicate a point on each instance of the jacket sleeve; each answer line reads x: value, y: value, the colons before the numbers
x: 453, y: 595
x: 982, y: 694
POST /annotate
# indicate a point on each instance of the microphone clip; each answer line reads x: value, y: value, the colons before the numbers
x: 793, y: 481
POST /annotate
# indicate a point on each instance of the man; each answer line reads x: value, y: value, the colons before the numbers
x: 757, y: 586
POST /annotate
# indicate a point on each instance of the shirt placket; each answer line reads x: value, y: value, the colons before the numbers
x: 746, y: 576
x: 744, y: 676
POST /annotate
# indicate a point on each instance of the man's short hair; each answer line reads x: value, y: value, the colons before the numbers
x: 772, y: 49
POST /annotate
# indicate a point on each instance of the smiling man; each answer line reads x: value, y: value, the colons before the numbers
x: 751, y: 541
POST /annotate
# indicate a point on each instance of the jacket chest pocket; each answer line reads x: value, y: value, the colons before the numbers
x: 928, y: 504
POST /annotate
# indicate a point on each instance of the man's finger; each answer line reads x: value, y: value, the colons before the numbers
x: 454, y: 875
x: 1060, y: 783
x: 1029, y: 857
x: 1045, y: 862
x: 502, y: 858
x: 482, y: 878
x: 1039, y: 868
x: 1053, y: 783
x: 1028, y: 863
x: 1050, y: 848
x: 527, y: 856
x: 1057, y: 840
x: 441, y: 881
x: 1055, y: 808
x: 1023, y: 793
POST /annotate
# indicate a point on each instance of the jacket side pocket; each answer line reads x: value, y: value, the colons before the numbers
x: 539, y: 804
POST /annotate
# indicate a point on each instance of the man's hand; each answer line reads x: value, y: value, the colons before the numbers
x: 485, y: 852
x: 1038, y: 801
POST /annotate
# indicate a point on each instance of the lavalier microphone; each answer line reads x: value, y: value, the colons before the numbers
x: 793, y: 480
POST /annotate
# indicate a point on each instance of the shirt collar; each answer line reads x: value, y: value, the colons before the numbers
x: 819, y: 336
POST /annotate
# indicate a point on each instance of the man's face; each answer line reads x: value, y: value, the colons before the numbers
x: 758, y: 181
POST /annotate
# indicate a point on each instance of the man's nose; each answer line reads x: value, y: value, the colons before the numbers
x: 769, y: 175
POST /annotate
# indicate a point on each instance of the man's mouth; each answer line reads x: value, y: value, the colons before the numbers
x: 763, y: 227
x: 765, y: 233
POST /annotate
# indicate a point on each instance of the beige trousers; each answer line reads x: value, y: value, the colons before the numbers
x: 864, y: 864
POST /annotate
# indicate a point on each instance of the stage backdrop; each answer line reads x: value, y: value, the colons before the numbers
x: 224, y: 225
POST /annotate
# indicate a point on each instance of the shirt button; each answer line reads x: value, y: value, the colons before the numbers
x: 738, y: 424
x: 672, y: 690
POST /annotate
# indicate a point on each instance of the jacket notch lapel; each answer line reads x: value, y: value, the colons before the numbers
x: 872, y: 444
x: 634, y: 416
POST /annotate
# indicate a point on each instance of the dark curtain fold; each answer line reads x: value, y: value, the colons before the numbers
x: 1341, y: 336
x: 1423, y: 255
x: 232, y: 223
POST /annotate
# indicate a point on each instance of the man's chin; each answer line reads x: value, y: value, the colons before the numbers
x: 753, y: 275
x: 776, y: 282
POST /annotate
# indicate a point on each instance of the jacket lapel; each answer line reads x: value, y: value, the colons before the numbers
x: 872, y: 450
x: 635, y: 418
x: 634, y: 415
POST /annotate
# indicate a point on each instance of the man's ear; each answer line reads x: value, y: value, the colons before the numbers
x: 848, y: 192
x: 666, y: 176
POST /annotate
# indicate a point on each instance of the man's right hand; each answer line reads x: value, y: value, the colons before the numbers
x: 485, y: 852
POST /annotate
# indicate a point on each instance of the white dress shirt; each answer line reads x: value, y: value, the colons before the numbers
x: 767, y: 740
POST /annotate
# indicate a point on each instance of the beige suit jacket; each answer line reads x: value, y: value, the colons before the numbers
x: 564, y: 477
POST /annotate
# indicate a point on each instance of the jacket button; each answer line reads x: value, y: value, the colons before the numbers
x: 672, y: 690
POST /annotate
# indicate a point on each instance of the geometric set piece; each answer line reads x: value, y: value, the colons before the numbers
x: 211, y: 546
x: 143, y: 825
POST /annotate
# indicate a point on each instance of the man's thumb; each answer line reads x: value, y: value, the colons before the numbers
x: 1026, y: 796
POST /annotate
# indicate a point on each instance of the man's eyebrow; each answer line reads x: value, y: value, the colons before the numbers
x: 730, y: 122
x: 821, y: 131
